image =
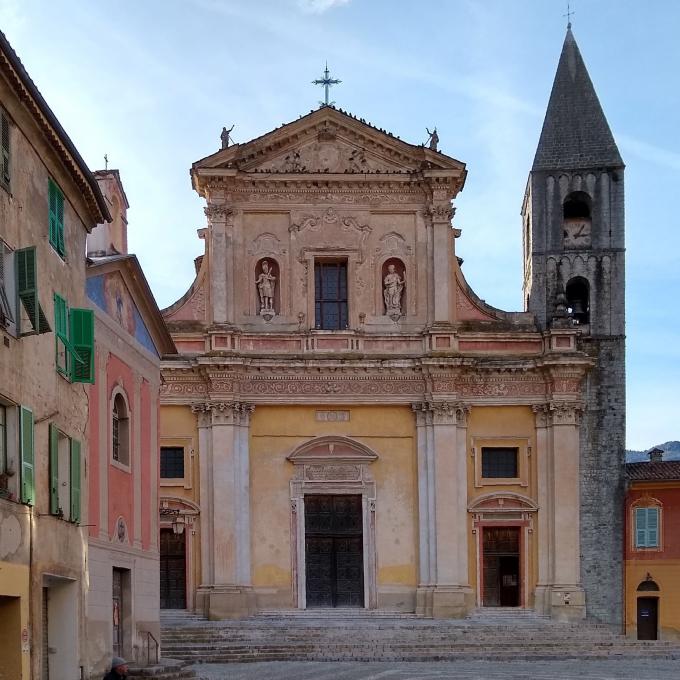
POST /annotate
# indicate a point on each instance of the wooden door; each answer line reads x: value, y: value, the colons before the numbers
x: 173, y: 570
x: 647, y: 618
x: 117, y: 592
x: 334, y: 564
x: 501, y: 567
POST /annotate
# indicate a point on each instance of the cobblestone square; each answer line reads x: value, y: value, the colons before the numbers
x: 608, y: 669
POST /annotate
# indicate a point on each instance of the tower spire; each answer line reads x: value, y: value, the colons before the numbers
x: 575, y: 132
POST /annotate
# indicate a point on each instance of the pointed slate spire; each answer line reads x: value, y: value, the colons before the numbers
x: 575, y: 132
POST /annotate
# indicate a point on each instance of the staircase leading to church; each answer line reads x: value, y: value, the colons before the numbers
x: 360, y: 635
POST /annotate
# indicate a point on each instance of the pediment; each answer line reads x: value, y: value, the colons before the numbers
x: 503, y: 502
x: 329, y: 141
x: 332, y: 450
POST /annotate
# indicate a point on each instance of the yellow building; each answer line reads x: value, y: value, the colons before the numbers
x: 346, y: 424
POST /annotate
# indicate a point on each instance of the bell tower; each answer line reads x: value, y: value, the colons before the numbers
x: 573, y: 220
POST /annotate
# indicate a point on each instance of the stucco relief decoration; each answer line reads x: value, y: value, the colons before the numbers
x: 490, y: 386
x: 266, y: 244
x: 266, y: 285
x: 121, y: 530
x: 328, y: 154
x: 390, y: 245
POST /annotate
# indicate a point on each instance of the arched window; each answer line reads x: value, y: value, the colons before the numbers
x: 577, y: 205
x: 648, y: 586
x: 578, y: 299
x: 120, y: 431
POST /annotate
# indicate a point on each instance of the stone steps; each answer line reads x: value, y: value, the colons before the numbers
x: 167, y: 669
x: 360, y: 636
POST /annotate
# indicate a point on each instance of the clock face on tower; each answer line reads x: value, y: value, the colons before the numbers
x: 576, y: 233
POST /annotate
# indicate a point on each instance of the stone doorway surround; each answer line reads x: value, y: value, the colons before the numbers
x: 504, y: 509
x: 332, y: 465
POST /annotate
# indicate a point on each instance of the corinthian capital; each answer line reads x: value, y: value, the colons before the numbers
x: 565, y: 412
x: 215, y: 212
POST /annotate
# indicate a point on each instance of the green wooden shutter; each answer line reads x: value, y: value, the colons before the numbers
x: 75, y: 481
x: 27, y: 456
x: 5, y: 153
x: 54, y: 469
x: 652, y: 527
x: 52, y: 211
x: 27, y: 290
x: 62, y: 345
x: 60, y: 223
x: 640, y: 527
x: 82, y: 342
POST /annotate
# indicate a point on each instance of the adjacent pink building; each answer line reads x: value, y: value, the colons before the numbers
x: 123, y: 475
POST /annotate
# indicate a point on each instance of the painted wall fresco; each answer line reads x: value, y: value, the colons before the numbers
x: 109, y: 292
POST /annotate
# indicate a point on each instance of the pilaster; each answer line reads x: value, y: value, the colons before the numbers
x: 442, y: 483
x: 221, y: 282
x: 223, y: 430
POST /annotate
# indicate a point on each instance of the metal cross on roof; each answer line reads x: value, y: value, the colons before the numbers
x: 569, y: 14
x: 327, y: 82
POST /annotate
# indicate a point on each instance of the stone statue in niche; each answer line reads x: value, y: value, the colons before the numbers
x: 392, y: 291
x: 266, y: 283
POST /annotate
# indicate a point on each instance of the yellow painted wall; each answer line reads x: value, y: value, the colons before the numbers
x: 506, y: 422
x: 178, y: 426
x: 666, y: 574
x: 16, y: 662
x: 388, y: 430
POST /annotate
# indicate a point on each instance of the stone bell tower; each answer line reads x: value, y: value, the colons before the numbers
x: 573, y: 218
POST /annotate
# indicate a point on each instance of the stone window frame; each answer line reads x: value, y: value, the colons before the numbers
x: 523, y: 446
x: 647, y: 502
x: 119, y: 391
x: 187, y: 443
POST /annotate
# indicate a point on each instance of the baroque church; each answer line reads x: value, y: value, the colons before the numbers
x: 347, y: 424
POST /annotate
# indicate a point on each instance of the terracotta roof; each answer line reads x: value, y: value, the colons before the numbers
x: 641, y: 472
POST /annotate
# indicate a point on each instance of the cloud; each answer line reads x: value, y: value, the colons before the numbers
x: 665, y: 157
x: 319, y: 6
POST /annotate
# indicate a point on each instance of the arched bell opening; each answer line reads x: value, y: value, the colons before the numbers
x: 577, y: 220
x: 578, y: 299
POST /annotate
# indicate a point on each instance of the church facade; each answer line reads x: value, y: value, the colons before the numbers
x: 346, y: 424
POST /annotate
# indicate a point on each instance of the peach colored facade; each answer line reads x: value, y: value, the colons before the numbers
x: 122, y: 601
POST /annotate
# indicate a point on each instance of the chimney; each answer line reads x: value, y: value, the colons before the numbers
x: 656, y: 456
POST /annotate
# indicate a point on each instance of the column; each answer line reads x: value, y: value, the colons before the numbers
x: 203, y: 417
x: 442, y: 239
x: 228, y: 592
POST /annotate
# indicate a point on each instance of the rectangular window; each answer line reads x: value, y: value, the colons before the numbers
x: 172, y: 462
x: 64, y: 457
x: 56, y: 217
x: 8, y: 312
x: 74, y: 338
x: 330, y: 295
x: 27, y: 456
x: 5, y: 151
x: 646, y: 527
x: 500, y: 462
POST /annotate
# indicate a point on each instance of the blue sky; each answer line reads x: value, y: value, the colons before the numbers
x: 152, y: 83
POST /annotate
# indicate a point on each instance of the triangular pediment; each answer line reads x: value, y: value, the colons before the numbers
x: 329, y: 141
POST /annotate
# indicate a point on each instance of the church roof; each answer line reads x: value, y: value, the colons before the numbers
x: 575, y: 132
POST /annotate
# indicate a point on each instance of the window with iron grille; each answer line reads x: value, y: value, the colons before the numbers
x: 172, y: 462
x: 500, y: 461
x: 330, y: 295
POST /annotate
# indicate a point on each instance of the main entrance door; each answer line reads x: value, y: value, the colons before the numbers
x: 501, y: 567
x: 173, y: 570
x: 334, y: 560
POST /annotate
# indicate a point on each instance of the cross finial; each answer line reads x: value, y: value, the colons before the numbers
x: 327, y: 82
x: 106, y: 161
x: 569, y: 14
